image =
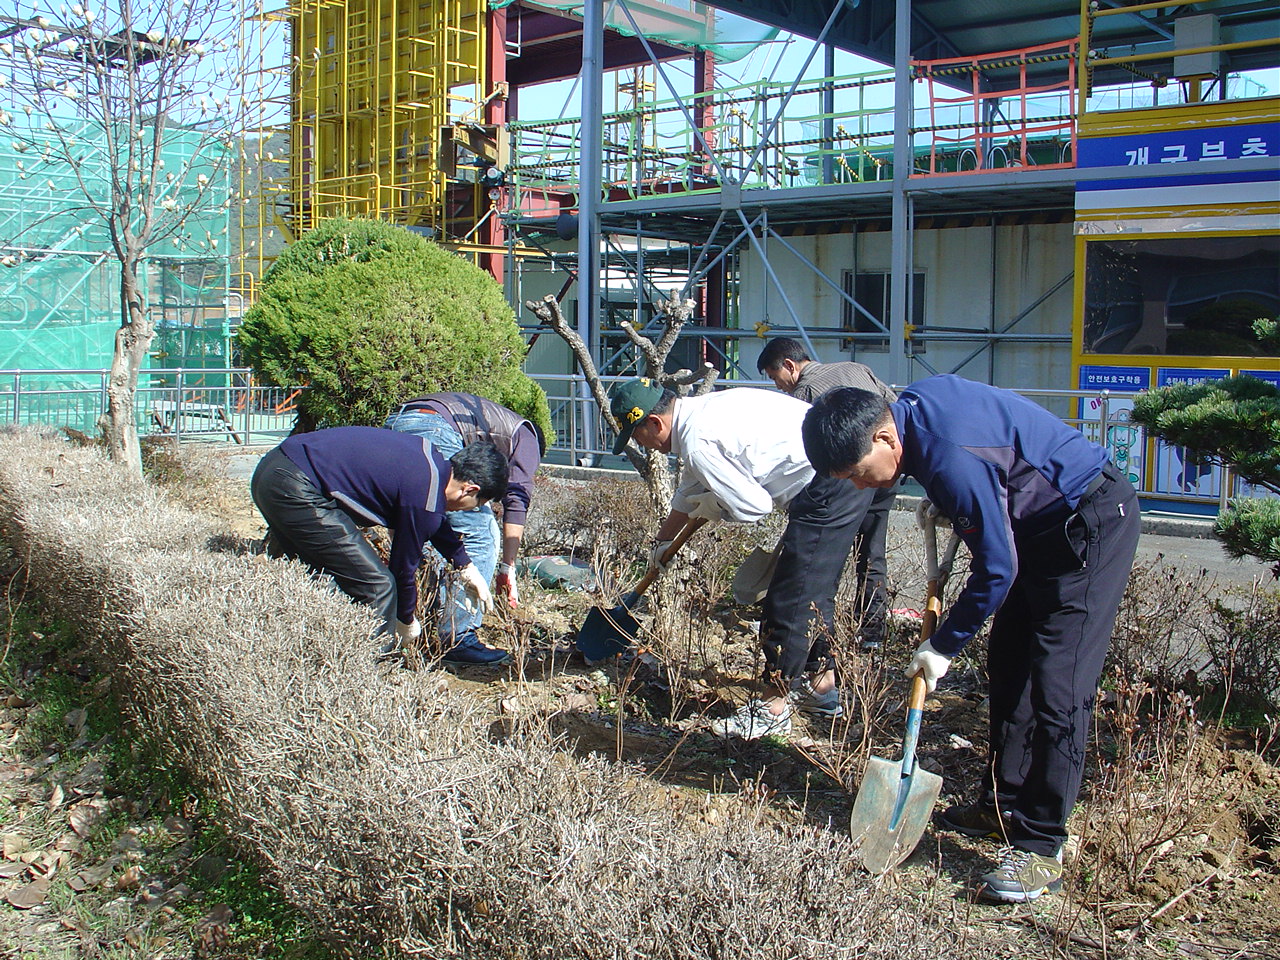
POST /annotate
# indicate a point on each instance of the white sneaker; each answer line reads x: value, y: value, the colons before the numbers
x: 754, y: 721
x: 824, y: 706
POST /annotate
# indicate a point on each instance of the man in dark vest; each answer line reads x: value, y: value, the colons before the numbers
x: 451, y: 422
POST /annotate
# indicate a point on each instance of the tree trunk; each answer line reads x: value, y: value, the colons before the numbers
x: 133, y: 340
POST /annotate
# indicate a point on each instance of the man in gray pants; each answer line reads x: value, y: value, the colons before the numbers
x: 785, y: 361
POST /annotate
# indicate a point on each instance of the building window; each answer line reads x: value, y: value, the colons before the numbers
x: 871, y: 290
x: 1180, y: 296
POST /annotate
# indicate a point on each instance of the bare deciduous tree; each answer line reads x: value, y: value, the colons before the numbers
x: 673, y: 314
x: 135, y: 109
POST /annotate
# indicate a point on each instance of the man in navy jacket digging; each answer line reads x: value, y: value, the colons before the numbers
x: 316, y: 490
x: 1052, y: 527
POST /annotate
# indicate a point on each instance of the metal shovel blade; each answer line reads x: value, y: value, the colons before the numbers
x: 891, y: 812
x: 606, y: 633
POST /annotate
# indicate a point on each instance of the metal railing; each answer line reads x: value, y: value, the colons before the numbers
x: 1160, y: 472
x: 225, y: 405
x: 212, y: 404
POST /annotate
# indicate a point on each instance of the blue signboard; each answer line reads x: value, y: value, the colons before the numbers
x: 1168, y: 376
x: 1195, y: 153
x: 1195, y: 145
x: 1120, y: 379
x: 1271, y: 376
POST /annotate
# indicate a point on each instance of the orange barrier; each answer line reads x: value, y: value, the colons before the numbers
x: 986, y: 139
x: 289, y: 403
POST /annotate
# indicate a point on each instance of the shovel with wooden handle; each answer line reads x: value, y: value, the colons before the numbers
x: 608, y: 632
x: 895, y: 800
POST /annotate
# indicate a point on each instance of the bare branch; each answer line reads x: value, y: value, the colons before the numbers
x: 548, y: 311
x: 676, y: 314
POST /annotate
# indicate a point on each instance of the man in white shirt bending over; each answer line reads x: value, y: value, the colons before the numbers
x: 743, y: 456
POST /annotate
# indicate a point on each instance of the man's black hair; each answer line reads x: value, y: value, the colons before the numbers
x: 482, y: 464
x: 779, y: 349
x: 838, y: 429
x: 664, y: 403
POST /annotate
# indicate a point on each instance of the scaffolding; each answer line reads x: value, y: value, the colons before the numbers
x: 387, y: 113
x: 730, y: 176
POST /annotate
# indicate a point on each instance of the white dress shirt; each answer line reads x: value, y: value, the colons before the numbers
x: 743, y: 447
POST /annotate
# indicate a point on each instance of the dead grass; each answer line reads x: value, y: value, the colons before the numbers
x: 414, y: 815
x: 380, y: 803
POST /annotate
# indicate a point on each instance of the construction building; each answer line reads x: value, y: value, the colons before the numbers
x: 1052, y: 194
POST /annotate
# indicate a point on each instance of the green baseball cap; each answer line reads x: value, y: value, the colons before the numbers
x: 631, y: 402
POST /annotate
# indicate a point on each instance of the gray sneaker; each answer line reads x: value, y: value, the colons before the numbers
x: 1022, y: 876
x: 823, y: 706
x: 753, y: 721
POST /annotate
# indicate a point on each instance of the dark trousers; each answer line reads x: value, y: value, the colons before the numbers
x: 822, y: 525
x: 305, y: 524
x: 872, y: 566
x: 1045, y: 654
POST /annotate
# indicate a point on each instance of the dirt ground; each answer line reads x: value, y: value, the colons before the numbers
x: 1176, y: 841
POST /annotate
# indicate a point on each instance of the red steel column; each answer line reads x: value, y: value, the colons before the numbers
x: 495, y: 112
x: 704, y: 110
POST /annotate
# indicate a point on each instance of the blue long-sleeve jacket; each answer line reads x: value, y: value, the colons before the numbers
x: 393, y: 479
x: 1000, y: 467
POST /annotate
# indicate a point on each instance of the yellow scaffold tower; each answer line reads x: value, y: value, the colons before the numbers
x: 383, y: 93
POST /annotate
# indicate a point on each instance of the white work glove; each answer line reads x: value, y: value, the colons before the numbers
x: 506, y: 581
x: 931, y: 662
x: 478, y: 595
x: 927, y: 512
x: 405, y: 634
x: 660, y: 547
x: 705, y: 506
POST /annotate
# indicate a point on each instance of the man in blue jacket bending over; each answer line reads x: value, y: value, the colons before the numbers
x: 316, y: 490
x: 1053, y: 528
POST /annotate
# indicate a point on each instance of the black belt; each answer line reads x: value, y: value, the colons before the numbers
x: 1108, y: 474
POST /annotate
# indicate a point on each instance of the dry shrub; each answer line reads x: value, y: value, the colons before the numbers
x: 1159, y: 631
x: 380, y: 803
x: 1150, y: 791
x: 1243, y: 646
x: 589, y: 519
x: 873, y: 697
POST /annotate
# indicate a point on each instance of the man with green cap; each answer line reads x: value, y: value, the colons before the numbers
x: 743, y: 457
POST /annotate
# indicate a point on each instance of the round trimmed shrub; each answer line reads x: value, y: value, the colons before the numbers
x: 367, y: 315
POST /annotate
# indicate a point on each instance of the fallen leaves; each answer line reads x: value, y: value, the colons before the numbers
x: 91, y: 877
x: 28, y: 895
x: 76, y: 719
x: 213, y: 930
x: 15, y: 844
x: 88, y: 779
x: 84, y: 816
x: 130, y: 879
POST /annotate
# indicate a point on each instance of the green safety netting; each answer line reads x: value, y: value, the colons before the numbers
x: 59, y: 282
x: 678, y: 22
